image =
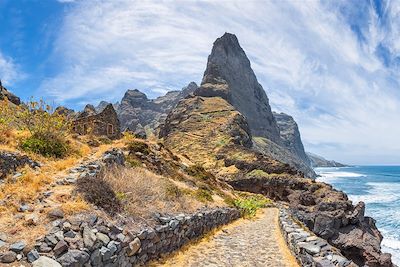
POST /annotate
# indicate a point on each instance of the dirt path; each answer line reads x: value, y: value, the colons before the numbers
x: 256, y: 242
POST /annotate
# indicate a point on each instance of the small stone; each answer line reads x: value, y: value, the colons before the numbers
x: 56, y: 213
x: 50, y: 240
x: 74, y: 258
x: 66, y: 226
x: 60, y: 248
x: 32, y: 255
x: 24, y: 207
x: 59, y: 235
x: 103, y: 238
x: 47, y: 193
x: 134, y: 246
x: 18, y: 246
x: 19, y: 257
x: 44, y: 261
x: 2, y: 243
x: 312, y: 249
x: 89, y: 238
x: 105, y: 253
x: 3, y: 237
x: 95, y: 258
x: 113, y: 246
x: 44, y: 248
x: 31, y: 219
x: 8, y: 257
x: 70, y: 234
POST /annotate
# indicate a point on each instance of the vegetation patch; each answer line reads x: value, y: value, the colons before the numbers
x: 249, y: 205
x: 98, y: 191
x: 199, y: 172
x: 53, y: 147
x: 257, y: 173
x: 137, y: 146
x: 203, y: 195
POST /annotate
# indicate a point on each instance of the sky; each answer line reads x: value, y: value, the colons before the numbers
x: 333, y: 65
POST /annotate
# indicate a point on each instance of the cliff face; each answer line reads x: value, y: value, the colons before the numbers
x: 229, y: 129
x: 4, y: 93
x: 290, y: 136
x: 229, y: 75
x: 136, y: 111
x: 318, y: 161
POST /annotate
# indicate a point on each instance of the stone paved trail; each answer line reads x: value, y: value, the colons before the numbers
x: 244, y: 243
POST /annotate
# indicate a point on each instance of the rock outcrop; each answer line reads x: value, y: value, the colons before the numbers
x: 290, y: 136
x: 137, y: 111
x: 325, y: 211
x: 229, y: 75
x: 318, y: 161
x: 5, y: 94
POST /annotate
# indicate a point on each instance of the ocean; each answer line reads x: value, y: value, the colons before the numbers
x: 379, y: 188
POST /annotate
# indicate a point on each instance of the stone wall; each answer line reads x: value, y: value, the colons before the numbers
x: 88, y: 239
x: 10, y: 162
x: 309, y: 249
x: 94, y: 241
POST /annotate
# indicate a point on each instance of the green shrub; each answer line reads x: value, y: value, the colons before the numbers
x: 198, y: 171
x: 248, y: 206
x: 203, y: 195
x: 257, y: 173
x: 52, y: 147
x: 133, y: 162
x: 136, y: 146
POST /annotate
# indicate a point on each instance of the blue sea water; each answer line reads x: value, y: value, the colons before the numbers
x: 379, y: 188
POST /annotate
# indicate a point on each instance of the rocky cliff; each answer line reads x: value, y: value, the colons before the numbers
x: 318, y: 161
x: 290, y: 136
x: 229, y: 75
x: 233, y: 134
x: 5, y: 94
x: 136, y: 111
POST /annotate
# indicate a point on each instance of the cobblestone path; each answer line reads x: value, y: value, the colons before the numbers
x: 244, y: 243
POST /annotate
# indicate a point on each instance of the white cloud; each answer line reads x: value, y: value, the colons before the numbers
x: 8, y: 70
x: 305, y: 55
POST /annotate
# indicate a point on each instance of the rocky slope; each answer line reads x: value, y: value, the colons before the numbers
x: 4, y: 93
x: 318, y: 161
x: 290, y: 136
x: 136, y: 111
x: 210, y: 129
x: 229, y: 75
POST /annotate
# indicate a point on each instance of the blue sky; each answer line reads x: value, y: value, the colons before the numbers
x: 332, y: 65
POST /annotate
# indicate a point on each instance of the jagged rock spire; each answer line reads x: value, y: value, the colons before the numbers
x: 229, y: 75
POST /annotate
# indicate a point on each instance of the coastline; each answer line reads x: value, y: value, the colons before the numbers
x: 377, y: 189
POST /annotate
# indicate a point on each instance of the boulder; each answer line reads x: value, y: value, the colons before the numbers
x: 74, y: 258
x: 44, y: 261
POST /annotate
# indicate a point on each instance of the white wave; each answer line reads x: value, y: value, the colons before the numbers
x: 392, y: 246
x: 381, y: 193
x: 326, y: 176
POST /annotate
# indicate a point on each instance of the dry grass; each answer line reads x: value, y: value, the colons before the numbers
x: 143, y: 193
x: 74, y: 206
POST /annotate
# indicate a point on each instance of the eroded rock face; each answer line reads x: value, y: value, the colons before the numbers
x: 325, y: 211
x: 206, y: 123
x: 136, y: 109
x: 318, y: 161
x: 5, y: 94
x: 290, y: 135
x: 229, y: 75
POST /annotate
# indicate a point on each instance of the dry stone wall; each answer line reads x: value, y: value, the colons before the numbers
x: 309, y: 249
x: 93, y: 241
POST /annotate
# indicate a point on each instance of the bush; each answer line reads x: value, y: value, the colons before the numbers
x: 248, y: 206
x: 198, y: 171
x: 203, y: 195
x: 136, y: 146
x: 47, y: 147
x: 98, y: 191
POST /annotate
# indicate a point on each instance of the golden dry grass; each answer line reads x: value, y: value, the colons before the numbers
x: 143, y: 192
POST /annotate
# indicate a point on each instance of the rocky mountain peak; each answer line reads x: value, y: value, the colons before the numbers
x: 229, y: 75
x: 290, y: 135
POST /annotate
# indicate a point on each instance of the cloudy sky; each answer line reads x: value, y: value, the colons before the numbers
x: 333, y: 65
